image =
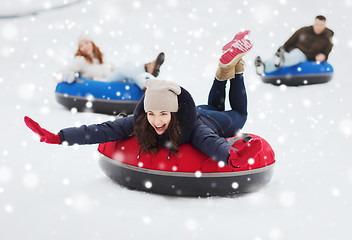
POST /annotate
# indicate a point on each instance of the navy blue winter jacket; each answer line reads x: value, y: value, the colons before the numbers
x: 195, y: 130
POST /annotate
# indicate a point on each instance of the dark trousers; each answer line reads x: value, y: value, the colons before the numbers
x: 227, y: 123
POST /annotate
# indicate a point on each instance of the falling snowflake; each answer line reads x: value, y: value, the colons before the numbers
x: 221, y: 164
x: 89, y: 104
x: 147, y: 220
x: 287, y: 199
x: 26, y: 91
x: 74, y: 110
x: 148, y: 184
x: 65, y: 181
x: 80, y: 202
x: 9, y: 31
x: 306, y: 102
x: 235, y: 185
x: 191, y: 224
x: 30, y: 180
x: 5, y: 174
x: 345, y: 127
x: 8, y: 208
x: 275, y: 233
x: 335, y: 192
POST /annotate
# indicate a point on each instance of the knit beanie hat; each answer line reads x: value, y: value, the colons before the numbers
x: 161, y: 95
x: 84, y: 36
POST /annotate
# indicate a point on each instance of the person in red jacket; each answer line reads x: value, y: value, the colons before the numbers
x: 166, y: 116
x: 312, y: 43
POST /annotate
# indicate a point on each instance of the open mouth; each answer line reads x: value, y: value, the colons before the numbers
x: 160, y: 128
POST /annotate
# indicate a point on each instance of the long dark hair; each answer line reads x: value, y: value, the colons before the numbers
x: 96, y: 53
x: 148, y: 138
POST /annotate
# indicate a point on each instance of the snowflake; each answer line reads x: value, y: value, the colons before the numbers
x: 89, y: 104
x: 80, y: 202
x: 65, y: 181
x: 235, y: 185
x: 9, y: 31
x: 147, y: 220
x: 345, y: 127
x: 30, y: 180
x: 74, y: 110
x: 5, y: 174
x: 8, y: 208
x: 136, y: 4
x: 221, y: 164
x: 198, y: 174
x: 287, y: 199
x: 26, y: 91
x: 275, y: 233
x: 307, y: 102
x: 148, y: 184
x: 191, y: 224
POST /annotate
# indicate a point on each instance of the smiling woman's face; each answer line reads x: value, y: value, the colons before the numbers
x: 86, y: 47
x: 159, y: 120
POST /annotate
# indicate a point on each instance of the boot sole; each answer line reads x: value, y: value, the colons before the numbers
x: 159, y: 61
x: 237, y: 58
x: 228, y: 45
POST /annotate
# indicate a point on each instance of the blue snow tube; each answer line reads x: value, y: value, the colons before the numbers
x: 97, y: 96
x: 304, y: 73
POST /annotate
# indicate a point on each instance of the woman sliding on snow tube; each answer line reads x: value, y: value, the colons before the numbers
x: 89, y: 63
x: 166, y: 116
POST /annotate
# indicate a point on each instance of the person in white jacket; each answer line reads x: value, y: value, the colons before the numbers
x: 89, y: 63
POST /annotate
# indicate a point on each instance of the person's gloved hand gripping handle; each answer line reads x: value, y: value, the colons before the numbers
x: 241, y: 157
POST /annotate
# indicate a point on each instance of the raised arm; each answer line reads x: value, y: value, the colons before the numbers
x: 328, y: 47
x: 109, y: 131
x: 291, y: 42
x: 68, y: 74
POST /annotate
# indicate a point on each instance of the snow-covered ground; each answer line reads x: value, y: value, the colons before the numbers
x: 56, y: 192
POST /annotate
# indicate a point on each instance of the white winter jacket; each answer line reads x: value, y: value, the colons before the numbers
x: 94, y: 70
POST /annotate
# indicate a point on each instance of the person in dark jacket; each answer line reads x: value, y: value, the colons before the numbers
x: 167, y: 116
x: 312, y: 43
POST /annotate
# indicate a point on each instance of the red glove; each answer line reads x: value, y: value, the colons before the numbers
x: 240, y: 158
x: 45, y: 136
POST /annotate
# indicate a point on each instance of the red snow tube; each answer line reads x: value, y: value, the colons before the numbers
x: 187, y: 173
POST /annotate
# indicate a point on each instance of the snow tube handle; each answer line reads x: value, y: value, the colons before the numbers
x: 246, y: 137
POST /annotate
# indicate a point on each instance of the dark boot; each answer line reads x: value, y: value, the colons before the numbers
x: 154, y: 67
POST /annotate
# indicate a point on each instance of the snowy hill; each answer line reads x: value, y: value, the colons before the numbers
x: 56, y: 192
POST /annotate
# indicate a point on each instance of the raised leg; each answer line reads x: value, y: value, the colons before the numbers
x: 217, y: 95
x: 238, y: 95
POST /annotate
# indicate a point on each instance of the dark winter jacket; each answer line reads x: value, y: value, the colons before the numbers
x: 193, y: 128
x: 310, y: 43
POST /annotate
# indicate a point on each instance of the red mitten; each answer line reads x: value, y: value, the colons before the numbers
x: 45, y: 136
x: 249, y: 150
